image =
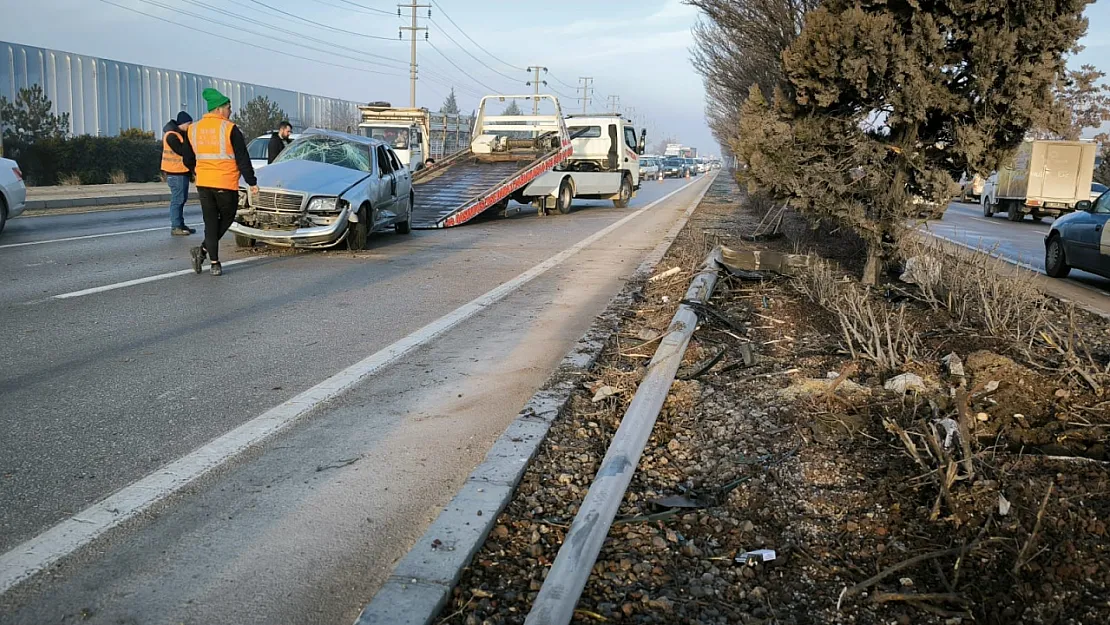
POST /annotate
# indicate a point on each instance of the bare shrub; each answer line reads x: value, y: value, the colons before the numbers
x: 118, y: 176
x: 872, y: 330
x: 69, y: 180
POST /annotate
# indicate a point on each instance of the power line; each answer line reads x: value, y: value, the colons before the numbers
x: 443, y: 31
x: 299, y: 34
x: 320, y: 24
x: 558, y: 80
x: 255, y: 32
x: 246, y: 43
x: 488, y: 88
x: 362, y: 8
x: 472, y: 39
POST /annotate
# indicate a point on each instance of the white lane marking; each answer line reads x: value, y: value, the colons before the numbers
x: 40, y: 552
x: 155, y: 278
x: 89, y: 236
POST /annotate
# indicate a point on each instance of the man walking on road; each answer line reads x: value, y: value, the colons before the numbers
x: 178, y: 162
x: 222, y: 158
x: 278, y: 141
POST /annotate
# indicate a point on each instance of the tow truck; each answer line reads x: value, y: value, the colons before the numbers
x: 415, y: 134
x: 604, y: 165
x: 506, y: 154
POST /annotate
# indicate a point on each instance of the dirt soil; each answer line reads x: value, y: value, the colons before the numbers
x: 866, y: 527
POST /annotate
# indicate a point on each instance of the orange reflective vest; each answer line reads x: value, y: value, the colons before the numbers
x: 211, y: 139
x: 172, y: 163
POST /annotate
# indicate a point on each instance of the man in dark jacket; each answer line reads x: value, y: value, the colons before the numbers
x: 178, y: 163
x: 278, y: 141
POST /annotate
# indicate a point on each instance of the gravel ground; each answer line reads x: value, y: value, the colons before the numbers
x: 766, y: 456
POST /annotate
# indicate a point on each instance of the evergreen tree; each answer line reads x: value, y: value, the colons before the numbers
x: 450, y: 105
x: 512, y: 109
x: 885, y: 102
x: 259, y: 116
x: 28, y: 117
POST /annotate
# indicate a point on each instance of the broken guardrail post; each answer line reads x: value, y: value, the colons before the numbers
x: 559, y: 594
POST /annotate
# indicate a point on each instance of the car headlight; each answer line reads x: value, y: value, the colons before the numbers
x: 323, y: 205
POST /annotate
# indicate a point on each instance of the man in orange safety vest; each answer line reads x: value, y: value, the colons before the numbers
x: 178, y: 162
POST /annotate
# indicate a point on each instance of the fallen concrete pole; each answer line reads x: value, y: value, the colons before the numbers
x: 559, y: 594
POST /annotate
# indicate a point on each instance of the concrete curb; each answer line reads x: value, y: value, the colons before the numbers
x: 104, y: 200
x: 422, y: 581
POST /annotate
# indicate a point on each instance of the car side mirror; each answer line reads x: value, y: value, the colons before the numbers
x: 1083, y: 205
x: 643, y: 141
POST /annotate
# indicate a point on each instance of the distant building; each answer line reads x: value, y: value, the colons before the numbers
x: 104, y: 97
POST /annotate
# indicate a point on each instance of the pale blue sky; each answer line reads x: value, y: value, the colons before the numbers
x: 637, y: 49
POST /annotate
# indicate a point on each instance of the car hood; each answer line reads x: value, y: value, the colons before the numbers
x: 309, y: 177
x: 1063, y: 219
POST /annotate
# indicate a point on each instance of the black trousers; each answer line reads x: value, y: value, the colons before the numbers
x: 218, y: 207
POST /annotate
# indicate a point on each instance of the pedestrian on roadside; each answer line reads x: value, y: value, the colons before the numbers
x: 222, y: 158
x: 278, y: 140
x: 178, y: 163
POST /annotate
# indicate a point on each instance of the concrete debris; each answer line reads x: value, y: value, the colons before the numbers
x: 951, y: 428
x: 1003, y: 505
x: 904, y: 383
x: 924, y: 271
x: 603, y: 393
x: 954, y: 364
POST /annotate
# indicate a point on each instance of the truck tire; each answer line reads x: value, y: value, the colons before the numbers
x: 988, y: 209
x: 242, y: 240
x: 1014, y: 211
x: 1055, y: 264
x: 359, y: 231
x: 625, y: 193
x: 565, y: 199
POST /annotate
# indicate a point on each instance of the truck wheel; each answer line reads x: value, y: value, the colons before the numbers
x: 242, y: 240
x: 359, y: 231
x: 1014, y: 211
x: 988, y: 210
x: 625, y: 193
x: 565, y: 198
x: 1055, y: 264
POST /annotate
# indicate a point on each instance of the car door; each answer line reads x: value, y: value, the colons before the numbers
x: 386, y: 196
x: 403, y: 178
x: 631, y: 158
x: 1086, y: 233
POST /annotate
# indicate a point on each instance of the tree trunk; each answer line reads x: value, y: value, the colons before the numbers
x: 874, y: 267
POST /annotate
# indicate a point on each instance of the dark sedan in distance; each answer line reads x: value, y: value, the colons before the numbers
x: 1080, y: 240
x: 674, y: 167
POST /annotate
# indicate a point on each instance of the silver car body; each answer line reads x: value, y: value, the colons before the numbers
x: 13, y: 193
x: 650, y: 168
x: 307, y: 200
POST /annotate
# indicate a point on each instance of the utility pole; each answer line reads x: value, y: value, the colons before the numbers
x: 536, y: 82
x: 413, y: 29
x: 586, y: 90
x: 615, y: 103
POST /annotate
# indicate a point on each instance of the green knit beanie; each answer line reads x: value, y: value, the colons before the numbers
x: 214, y: 98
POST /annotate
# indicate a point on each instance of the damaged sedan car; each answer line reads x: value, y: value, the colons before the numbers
x: 325, y: 189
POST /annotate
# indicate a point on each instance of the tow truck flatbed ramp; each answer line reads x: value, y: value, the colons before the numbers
x: 500, y: 161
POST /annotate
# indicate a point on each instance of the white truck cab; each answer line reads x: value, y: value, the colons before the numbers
x: 415, y: 134
x: 604, y: 164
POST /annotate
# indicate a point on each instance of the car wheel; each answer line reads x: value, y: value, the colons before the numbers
x: 3, y: 214
x: 359, y: 231
x: 988, y: 210
x: 625, y: 193
x: 565, y: 199
x: 1055, y: 264
x: 242, y: 240
x: 1014, y: 211
x: 405, y: 227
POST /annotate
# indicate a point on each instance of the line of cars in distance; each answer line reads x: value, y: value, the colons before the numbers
x: 654, y: 167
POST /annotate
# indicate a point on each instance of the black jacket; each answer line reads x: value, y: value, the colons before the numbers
x: 242, y: 157
x: 180, y: 146
x: 276, y: 145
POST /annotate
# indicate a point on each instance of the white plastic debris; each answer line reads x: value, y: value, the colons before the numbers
x: 922, y: 270
x: 982, y: 416
x: 753, y: 557
x: 954, y: 365
x: 991, y: 386
x: 906, y: 582
x: 1003, y: 505
x: 951, y: 428
x: 904, y: 383
x: 604, y: 393
x: 666, y: 274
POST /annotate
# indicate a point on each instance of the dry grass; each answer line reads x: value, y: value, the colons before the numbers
x: 871, y: 329
x: 117, y: 176
x: 69, y: 180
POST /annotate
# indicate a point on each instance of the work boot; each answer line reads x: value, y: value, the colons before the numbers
x: 198, y: 258
x: 181, y: 231
x: 217, y: 270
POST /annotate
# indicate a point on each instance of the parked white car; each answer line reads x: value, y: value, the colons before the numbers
x: 259, y: 148
x: 13, y: 193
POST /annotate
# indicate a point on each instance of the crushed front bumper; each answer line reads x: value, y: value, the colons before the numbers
x: 281, y: 229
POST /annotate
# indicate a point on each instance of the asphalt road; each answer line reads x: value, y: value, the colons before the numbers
x: 118, y: 362
x: 1021, y: 242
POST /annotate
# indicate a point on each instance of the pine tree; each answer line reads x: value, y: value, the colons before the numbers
x: 28, y: 117
x: 259, y: 116
x: 1086, y: 102
x: 450, y: 105
x: 512, y: 109
x: 885, y: 102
